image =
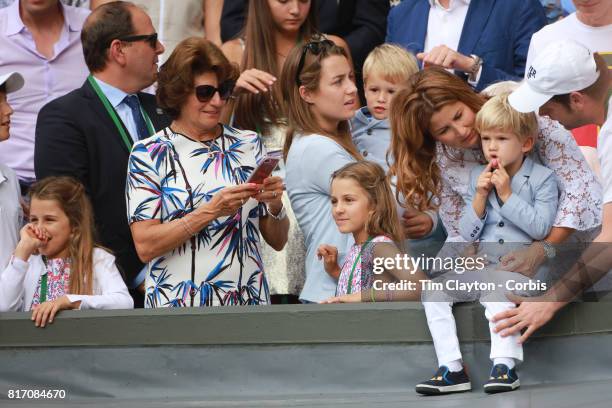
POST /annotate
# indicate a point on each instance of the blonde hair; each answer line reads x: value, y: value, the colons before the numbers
x: 372, y: 178
x: 300, y: 117
x: 71, y: 197
x: 499, y: 88
x: 391, y: 62
x: 412, y: 145
x: 497, y: 114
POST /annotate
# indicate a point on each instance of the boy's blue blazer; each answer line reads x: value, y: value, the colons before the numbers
x: 526, y: 216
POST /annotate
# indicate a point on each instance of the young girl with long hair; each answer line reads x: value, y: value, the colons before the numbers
x: 363, y: 205
x: 56, y: 265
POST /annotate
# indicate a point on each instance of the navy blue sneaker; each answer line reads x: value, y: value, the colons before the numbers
x: 445, y: 381
x: 502, y: 379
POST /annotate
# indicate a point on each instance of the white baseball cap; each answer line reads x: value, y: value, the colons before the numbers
x: 562, y: 67
x: 13, y: 81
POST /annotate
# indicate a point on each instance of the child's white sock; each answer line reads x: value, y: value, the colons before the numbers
x: 454, y: 366
x: 504, y: 360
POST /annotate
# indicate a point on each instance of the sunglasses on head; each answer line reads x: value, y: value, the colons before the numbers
x: 205, y: 93
x: 151, y: 39
x: 315, y: 48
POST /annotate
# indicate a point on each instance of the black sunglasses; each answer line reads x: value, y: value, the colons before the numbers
x: 205, y: 93
x: 151, y: 39
x: 315, y: 48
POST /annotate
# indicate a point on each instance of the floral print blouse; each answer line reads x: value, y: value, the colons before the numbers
x: 171, y: 175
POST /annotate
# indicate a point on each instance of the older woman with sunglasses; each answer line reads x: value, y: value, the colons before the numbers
x: 194, y: 216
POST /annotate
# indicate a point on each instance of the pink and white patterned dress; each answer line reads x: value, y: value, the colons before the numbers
x: 58, y: 280
x: 363, y: 275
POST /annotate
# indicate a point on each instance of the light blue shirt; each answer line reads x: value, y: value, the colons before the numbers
x: 310, y: 163
x: 116, y: 96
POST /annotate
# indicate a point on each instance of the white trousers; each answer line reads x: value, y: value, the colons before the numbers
x: 444, y: 332
x: 439, y: 312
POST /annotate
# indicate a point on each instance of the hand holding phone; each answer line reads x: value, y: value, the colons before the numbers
x: 265, y: 167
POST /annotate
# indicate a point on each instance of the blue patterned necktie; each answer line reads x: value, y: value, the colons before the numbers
x: 141, y: 126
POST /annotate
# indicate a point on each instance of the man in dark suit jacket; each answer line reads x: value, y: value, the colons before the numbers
x: 494, y: 39
x: 88, y: 133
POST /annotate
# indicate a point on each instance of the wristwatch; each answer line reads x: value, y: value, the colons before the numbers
x: 282, y: 214
x: 549, y: 249
x: 473, y: 72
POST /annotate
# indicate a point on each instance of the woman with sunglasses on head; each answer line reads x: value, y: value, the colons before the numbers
x: 194, y: 216
x: 272, y: 29
x: 320, y: 96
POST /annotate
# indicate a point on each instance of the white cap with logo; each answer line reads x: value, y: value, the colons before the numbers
x: 560, y: 68
x: 13, y: 81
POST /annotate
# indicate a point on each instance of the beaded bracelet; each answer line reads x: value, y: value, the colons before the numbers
x: 186, y: 227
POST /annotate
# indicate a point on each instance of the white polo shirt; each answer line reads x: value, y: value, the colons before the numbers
x: 11, y: 214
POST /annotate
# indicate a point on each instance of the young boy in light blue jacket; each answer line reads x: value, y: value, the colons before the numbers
x: 385, y: 72
x: 510, y: 200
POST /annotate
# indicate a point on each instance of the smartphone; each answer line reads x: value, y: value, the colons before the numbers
x: 265, y: 168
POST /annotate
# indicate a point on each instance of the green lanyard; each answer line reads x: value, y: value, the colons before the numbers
x: 43, y: 289
x: 127, y: 140
x: 350, y: 279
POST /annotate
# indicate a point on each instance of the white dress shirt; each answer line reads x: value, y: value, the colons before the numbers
x: 19, y: 281
x: 444, y: 26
